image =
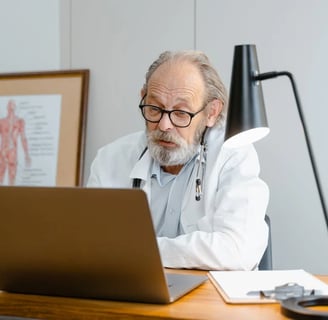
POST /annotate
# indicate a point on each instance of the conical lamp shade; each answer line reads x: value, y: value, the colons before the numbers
x: 246, y: 120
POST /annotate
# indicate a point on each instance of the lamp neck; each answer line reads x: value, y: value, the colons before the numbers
x: 274, y: 74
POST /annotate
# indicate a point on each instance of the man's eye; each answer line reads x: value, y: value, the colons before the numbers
x: 180, y: 114
x: 153, y: 110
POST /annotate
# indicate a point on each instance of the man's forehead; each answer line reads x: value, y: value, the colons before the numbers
x: 179, y: 94
x: 178, y: 79
x: 182, y: 68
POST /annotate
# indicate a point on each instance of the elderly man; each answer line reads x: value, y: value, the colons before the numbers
x: 207, y: 202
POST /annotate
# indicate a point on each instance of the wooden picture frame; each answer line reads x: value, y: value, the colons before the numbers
x: 55, y: 105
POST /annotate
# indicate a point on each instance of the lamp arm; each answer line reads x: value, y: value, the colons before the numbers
x: 274, y: 74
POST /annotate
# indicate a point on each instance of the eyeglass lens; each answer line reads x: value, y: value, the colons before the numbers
x: 178, y: 118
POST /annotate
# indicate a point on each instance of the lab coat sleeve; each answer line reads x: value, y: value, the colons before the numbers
x: 94, y: 177
x: 114, y: 162
x: 232, y: 233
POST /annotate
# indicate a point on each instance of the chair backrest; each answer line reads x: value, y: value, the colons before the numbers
x: 266, y: 261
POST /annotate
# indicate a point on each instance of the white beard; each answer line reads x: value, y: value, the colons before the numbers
x: 172, y: 157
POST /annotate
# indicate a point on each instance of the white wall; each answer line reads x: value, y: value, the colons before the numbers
x: 117, y: 39
x: 29, y: 35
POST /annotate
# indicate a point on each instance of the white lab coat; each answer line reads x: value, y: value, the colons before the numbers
x: 226, y: 229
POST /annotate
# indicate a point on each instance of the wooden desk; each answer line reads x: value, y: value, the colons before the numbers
x: 202, y: 303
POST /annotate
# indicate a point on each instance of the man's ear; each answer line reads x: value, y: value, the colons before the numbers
x: 214, y: 110
x: 142, y: 92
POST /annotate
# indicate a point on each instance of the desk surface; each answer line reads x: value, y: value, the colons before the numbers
x: 202, y: 303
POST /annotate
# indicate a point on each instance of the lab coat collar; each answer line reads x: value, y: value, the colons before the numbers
x: 141, y: 168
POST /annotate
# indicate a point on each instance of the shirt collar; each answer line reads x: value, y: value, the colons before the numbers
x: 162, y: 177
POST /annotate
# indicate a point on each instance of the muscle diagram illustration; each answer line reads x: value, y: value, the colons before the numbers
x: 12, y: 128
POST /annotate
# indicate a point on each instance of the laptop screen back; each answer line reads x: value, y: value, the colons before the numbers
x: 92, y: 243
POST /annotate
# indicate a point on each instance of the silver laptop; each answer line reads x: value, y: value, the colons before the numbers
x: 84, y: 242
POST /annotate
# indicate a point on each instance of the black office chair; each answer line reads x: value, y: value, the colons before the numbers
x: 266, y: 261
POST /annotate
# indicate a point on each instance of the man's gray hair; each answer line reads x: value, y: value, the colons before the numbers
x: 214, y: 86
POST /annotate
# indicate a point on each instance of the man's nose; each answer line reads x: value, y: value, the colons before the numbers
x: 165, y: 123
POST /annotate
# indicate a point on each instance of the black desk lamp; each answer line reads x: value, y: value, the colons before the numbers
x: 247, y: 123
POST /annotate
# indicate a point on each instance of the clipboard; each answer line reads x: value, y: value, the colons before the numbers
x: 235, y: 286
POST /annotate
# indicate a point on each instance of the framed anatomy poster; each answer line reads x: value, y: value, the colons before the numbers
x: 42, y: 127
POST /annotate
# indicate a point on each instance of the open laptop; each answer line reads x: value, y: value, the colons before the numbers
x: 84, y: 242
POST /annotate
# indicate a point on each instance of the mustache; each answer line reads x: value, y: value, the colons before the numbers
x: 166, y: 136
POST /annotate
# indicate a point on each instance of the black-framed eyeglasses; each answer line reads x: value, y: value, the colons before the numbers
x: 179, y: 118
